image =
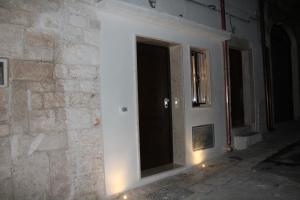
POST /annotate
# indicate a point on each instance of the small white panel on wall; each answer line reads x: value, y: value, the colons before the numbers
x: 3, y: 72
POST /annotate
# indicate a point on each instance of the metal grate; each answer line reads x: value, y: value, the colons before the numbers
x: 203, y: 137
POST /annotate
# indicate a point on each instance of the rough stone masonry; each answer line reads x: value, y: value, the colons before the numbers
x: 50, y: 126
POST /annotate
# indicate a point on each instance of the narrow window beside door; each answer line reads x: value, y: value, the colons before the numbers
x: 200, y: 78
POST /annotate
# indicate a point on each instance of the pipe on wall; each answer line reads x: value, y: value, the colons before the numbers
x: 226, y: 80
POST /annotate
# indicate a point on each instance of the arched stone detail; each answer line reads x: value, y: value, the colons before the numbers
x: 294, y: 62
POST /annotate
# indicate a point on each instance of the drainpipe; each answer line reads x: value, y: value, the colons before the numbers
x: 266, y: 67
x: 226, y: 80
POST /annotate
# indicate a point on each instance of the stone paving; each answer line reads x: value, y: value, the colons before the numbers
x: 231, y: 176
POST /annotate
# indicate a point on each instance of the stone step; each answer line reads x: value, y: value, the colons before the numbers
x: 242, y: 141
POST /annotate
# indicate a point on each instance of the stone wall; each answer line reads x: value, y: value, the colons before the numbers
x: 50, y: 127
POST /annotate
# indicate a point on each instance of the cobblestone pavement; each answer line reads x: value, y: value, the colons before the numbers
x: 232, y: 176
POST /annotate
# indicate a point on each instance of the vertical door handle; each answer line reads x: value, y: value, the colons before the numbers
x: 166, y: 103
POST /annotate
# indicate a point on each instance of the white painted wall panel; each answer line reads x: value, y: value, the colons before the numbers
x: 119, y: 81
x: 119, y: 88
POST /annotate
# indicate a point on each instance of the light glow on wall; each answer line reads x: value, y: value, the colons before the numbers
x: 198, y: 157
x: 118, y: 181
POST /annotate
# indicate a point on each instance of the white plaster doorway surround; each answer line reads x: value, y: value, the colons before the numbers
x: 121, y: 25
x: 245, y: 47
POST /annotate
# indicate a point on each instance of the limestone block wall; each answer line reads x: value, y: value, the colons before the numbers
x: 50, y: 125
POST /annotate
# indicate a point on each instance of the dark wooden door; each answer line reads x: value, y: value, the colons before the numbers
x: 282, y: 75
x: 154, y: 116
x: 236, y: 83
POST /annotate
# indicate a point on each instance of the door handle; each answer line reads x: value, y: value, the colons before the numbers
x: 166, y: 103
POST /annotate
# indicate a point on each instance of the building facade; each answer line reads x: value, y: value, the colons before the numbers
x: 99, y: 97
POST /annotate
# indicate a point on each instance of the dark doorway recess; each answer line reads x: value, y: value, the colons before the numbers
x: 281, y: 75
x: 154, y: 97
x: 236, y: 84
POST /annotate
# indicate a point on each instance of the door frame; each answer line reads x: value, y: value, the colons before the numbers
x: 251, y: 119
x: 159, y: 43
